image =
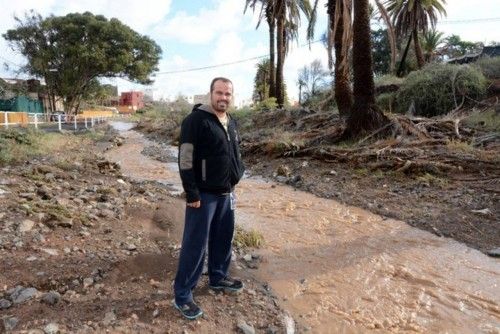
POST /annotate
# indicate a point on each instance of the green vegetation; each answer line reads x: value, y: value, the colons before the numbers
x: 431, y: 180
x: 488, y: 120
x: 386, y: 101
x: 18, y: 145
x: 490, y: 67
x: 437, y: 89
x: 245, y: 239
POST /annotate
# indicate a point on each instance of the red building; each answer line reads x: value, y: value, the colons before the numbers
x: 131, y: 101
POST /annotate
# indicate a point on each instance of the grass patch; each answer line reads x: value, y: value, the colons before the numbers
x: 94, y: 135
x: 458, y: 145
x: 247, y: 239
x: 17, y: 145
x: 431, y: 180
x: 488, y: 120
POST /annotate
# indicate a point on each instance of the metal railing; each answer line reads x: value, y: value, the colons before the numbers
x: 52, y: 121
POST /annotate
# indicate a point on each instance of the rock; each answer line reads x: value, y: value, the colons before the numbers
x: 51, y: 298
x: 109, y: 318
x: 494, y: 252
x: 156, y: 313
x: 289, y: 324
x: 36, y: 331
x: 106, y: 213
x: 5, y: 304
x: 485, y: 211
x: 65, y: 222
x: 25, y: 226
x: 28, y: 196
x: 130, y: 247
x: 247, y: 257
x: 50, y: 251
x: 272, y: 330
x: 51, y: 328
x: 281, y: 179
x: 88, y: 282
x: 10, y: 323
x: 21, y: 295
x: 245, y: 328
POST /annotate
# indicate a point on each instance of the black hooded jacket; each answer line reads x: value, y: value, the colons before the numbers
x: 209, y: 157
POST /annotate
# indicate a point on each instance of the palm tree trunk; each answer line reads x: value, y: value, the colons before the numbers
x: 403, y: 58
x: 418, y: 49
x: 272, y: 81
x: 365, y: 115
x: 343, y: 92
x: 280, y: 97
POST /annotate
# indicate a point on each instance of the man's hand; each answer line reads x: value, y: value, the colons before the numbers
x: 195, y: 205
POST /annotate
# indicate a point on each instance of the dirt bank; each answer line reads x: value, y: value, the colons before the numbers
x: 84, y: 249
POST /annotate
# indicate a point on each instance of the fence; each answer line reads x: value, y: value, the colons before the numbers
x: 57, y: 121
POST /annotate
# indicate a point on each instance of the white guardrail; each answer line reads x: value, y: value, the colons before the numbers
x: 68, y: 122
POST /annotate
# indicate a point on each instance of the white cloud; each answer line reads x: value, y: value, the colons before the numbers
x: 205, y: 25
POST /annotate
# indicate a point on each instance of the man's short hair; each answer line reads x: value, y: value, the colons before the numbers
x: 226, y: 80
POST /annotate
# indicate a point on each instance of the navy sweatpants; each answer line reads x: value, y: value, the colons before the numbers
x: 214, y: 221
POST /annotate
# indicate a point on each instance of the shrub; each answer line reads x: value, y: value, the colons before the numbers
x: 490, y: 67
x: 440, y: 88
x: 243, y: 116
x: 267, y: 104
x: 386, y: 101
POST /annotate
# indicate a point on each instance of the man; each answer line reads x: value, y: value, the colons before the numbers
x: 210, y: 166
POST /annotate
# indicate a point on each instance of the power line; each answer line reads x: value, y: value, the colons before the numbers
x: 224, y: 64
x: 489, y: 19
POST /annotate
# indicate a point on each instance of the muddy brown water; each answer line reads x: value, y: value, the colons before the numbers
x: 341, y: 269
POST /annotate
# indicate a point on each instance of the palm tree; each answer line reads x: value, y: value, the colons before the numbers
x: 430, y: 42
x: 267, y: 12
x: 261, y: 81
x: 287, y: 15
x: 365, y: 115
x: 339, y: 38
x: 411, y: 17
x: 340, y: 35
x: 390, y: 34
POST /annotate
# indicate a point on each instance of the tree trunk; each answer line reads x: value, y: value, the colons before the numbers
x: 365, y: 116
x: 280, y: 96
x: 418, y: 49
x: 343, y: 92
x: 403, y: 58
x: 272, y: 27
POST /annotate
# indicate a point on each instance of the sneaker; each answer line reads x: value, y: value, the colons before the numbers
x: 227, y: 284
x: 189, y: 310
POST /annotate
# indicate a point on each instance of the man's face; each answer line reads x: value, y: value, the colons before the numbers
x: 221, y: 96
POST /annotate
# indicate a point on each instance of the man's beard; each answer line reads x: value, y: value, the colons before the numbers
x: 221, y: 106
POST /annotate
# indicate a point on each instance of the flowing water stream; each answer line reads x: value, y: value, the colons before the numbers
x: 341, y: 269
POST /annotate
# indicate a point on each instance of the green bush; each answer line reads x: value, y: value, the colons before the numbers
x: 267, y: 104
x: 386, y: 101
x: 243, y: 116
x: 490, y: 67
x: 439, y: 88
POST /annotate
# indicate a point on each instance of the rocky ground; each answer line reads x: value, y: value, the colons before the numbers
x: 83, y: 249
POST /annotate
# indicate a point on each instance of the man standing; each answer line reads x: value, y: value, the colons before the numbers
x: 210, y: 166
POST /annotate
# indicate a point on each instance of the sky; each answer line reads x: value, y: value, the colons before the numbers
x: 218, y: 34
